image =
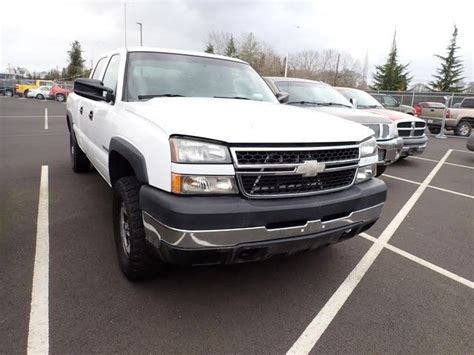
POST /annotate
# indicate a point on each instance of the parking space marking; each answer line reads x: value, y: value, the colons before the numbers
x: 430, y: 186
x: 463, y: 151
x: 447, y: 163
x: 38, y: 331
x: 45, y: 118
x: 421, y: 261
x: 319, y: 324
x: 33, y: 116
x: 450, y: 191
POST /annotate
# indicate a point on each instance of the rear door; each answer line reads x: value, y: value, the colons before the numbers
x: 84, y: 106
x: 101, y: 118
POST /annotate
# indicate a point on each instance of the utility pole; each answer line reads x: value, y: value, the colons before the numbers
x: 141, y: 38
x: 337, y: 69
x: 286, y: 64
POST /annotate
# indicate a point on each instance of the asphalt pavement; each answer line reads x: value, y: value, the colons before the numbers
x: 416, y: 297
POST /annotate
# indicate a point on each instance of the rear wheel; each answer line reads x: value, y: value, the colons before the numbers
x: 434, y: 130
x: 79, y: 161
x: 129, y: 232
x: 60, y: 97
x: 40, y: 97
x: 9, y: 93
x: 463, y: 129
x: 380, y: 169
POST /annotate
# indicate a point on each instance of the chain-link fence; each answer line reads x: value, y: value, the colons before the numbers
x: 412, y: 98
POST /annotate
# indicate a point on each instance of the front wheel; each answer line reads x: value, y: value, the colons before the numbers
x: 60, y: 98
x: 40, y: 97
x: 9, y: 93
x: 463, y: 129
x: 129, y: 233
x: 434, y: 130
x: 380, y: 169
x: 25, y: 93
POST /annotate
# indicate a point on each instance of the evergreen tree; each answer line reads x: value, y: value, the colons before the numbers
x: 392, y: 75
x: 76, y: 62
x: 209, y: 48
x: 230, y: 50
x: 448, y: 77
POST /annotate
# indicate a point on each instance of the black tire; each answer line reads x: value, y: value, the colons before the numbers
x: 380, y: 169
x: 79, y: 161
x: 434, y: 130
x: 129, y: 232
x: 40, y: 97
x: 60, y: 98
x: 463, y: 129
x: 9, y: 93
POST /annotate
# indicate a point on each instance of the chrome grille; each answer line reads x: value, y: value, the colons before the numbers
x: 268, y: 172
x: 411, y: 129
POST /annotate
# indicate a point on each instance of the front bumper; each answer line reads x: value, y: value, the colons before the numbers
x: 231, y: 229
x: 389, y: 150
x: 414, y: 145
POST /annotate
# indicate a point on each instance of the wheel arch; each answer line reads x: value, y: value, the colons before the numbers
x: 125, y: 160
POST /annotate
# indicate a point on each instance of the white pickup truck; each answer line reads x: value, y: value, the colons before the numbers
x: 208, y: 168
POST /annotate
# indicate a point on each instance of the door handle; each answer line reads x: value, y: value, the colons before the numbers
x: 432, y: 110
x: 91, y: 115
x: 80, y: 110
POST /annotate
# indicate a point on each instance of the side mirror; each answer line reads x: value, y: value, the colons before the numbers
x: 282, y: 97
x: 353, y: 101
x: 93, y: 89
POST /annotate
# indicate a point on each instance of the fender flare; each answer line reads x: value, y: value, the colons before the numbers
x: 132, y: 154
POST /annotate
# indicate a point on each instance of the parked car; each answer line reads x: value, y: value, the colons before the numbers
x: 40, y: 93
x: 410, y: 128
x: 470, y: 142
x: 459, y: 120
x: 321, y: 97
x: 23, y: 87
x: 7, y: 87
x: 60, y: 92
x: 389, y: 102
x: 208, y: 168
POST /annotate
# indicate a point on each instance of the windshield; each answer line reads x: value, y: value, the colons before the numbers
x: 364, y: 100
x: 311, y: 92
x: 172, y: 75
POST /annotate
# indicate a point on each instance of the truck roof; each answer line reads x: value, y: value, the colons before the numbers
x: 282, y: 78
x: 169, y: 51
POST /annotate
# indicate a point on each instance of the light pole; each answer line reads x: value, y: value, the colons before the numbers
x: 288, y: 54
x: 141, y: 38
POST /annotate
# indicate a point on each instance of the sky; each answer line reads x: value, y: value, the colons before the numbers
x: 38, y: 33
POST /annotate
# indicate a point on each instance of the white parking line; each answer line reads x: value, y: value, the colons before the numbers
x: 38, y: 331
x: 319, y: 324
x: 460, y: 166
x: 45, y: 118
x: 430, y: 186
x: 420, y: 158
x: 447, y: 163
x: 35, y: 116
x: 421, y: 261
x: 463, y: 151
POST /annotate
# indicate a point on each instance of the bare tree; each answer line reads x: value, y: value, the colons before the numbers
x: 219, y: 40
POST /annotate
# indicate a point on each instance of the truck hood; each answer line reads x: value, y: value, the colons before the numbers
x: 393, y: 115
x: 355, y: 115
x: 246, y: 121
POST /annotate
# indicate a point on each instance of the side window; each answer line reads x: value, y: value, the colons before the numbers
x: 99, y: 67
x: 468, y: 103
x: 111, y: 73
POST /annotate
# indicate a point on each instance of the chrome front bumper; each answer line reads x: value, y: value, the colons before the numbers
x: 156, y: 232
x: 414, y: 145
x: 389, y: 151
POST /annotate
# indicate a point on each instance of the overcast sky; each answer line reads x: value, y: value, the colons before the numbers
x: 37, y: 33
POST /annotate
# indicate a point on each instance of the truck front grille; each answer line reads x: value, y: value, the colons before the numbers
x: 275, y: 172
x: 411, y: 129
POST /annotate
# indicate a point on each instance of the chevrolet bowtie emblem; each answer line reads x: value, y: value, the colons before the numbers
x: 310, y: 168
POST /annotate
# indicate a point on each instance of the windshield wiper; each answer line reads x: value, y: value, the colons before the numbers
x: 147, y: 97
x: 302, y: 103
x: 333, y: 104
x: 368, y: 106
x: 232, y: 97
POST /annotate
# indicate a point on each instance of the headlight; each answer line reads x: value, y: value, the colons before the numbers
x: 365, y: 173
x: 194, y: 184
x: 368, y: 148
x: 194, y: 151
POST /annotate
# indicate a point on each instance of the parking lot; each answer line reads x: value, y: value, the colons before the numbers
x: 404, y: 287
